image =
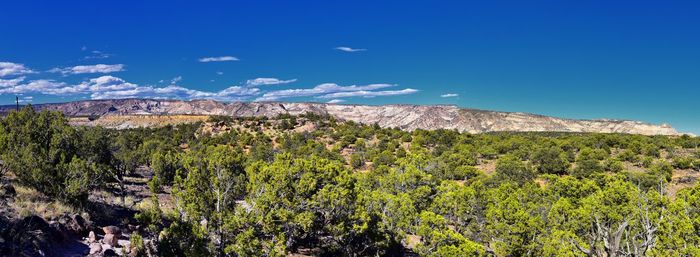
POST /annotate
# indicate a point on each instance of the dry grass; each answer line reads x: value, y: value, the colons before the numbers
x: 682, y: 179
x: 123, y: 121
x: 29, y: 202
x: 411, y: 241
x: 488, y: 167
x: 109, y: 198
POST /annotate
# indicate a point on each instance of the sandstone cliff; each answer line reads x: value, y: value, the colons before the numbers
x: 408, y: 117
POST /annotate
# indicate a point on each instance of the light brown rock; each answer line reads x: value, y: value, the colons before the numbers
x: 133, y: 252
x: 92, y: 237
x: 95, y: 248
x: 111, y: 239
x: 112, y: 230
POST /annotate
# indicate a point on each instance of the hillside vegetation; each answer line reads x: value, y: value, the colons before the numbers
x: 311, y: 185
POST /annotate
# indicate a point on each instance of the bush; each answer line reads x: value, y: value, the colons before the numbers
x: 647, y: 161
x: 663, y: 169
x: 462, y: 173
x: 510, y: 168
x: 136, y: 243
x: 155, y: 185
x: 585, y: 168
x: 220, y: 118
x: 42, y: 150
x: 357, y: 161
x: 628, y: 156
x: 646, y: 181
x: 150, y: 215
x: 613, y: 165
x: 550, y: 161
x: 682, y: 162
x: 165, y: 166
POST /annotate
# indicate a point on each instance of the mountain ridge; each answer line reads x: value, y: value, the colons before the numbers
x: 403, y: 116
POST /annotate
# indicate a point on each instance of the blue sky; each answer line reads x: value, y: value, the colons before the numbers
x: 576, y: 59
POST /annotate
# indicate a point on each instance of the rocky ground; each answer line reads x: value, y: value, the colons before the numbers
x: 32, y: 225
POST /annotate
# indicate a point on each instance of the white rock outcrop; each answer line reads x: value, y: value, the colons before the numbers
x: 408, y: 117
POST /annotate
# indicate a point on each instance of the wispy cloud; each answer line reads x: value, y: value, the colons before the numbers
x: 13, y: 69
x: 218, y: 59
x: 267, y: 81
x: 350, y: 49
x: 83, y: 69
x: 176, y: 80
x: 322, y: 89
x: 94, y: 54
x: 26, y: 99
x: 219, y: 73
x: 449, y: 95
x: 335, y: 101
x: 369, y: 94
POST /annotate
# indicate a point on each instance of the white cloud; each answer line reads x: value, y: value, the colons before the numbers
x: 13, y: 69
x: 368, y: 94
x: 219, y: 73
x: 106, y: 83
x: 42, y: 86
x: 97, y: 68
x: 350, y: 49
x: 107, y: 87
x: 321, y: 89
x: 122, y: 89
x: 175, y: 80
x: 10, y: 82
x: 113, y: 87
x: 26, y: 99
x: 218, y: 59
x: 449, y: 95
x: 177, y: 92
x: 267, y: 81
x: 335, y: 101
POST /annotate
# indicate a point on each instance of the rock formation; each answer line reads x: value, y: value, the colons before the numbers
x: 408, y: 117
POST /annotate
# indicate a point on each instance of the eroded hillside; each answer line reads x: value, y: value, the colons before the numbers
x: 123, y: 114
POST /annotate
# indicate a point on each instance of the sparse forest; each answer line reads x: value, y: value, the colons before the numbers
x: 312, y: 185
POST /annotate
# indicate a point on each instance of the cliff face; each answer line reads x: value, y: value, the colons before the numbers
x: 408, y: 117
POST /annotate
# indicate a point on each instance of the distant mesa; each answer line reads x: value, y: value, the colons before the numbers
x: 407, y: 117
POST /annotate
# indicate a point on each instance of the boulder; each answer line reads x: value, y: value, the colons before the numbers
x: 95, y: 248
x: 111, y: 239
x: 78, y: 224
x: 109, y: 253
x: 134, y: 252
x: 92, y: 237
x: 32, y: 236
x: 112, y: 230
